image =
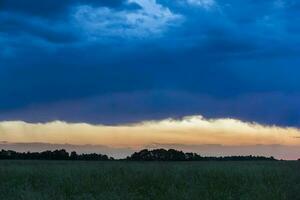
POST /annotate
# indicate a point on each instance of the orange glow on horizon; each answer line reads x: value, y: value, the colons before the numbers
x: 194, y: 130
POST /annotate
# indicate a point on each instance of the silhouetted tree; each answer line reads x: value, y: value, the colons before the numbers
x: 51, y: 155
x: 174, y: 155
x: 73, y: 155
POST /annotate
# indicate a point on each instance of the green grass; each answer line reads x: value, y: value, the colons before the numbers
x: 56, y: 180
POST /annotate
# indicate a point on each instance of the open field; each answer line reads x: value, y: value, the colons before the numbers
x: 153, y: 180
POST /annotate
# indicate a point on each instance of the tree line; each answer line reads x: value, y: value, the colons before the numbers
x: 174, y: 155
x: 143, y: 155
x: 51, y: 155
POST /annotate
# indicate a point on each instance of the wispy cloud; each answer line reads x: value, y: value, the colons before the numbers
x: 202, y: 3
x: 151, y: 19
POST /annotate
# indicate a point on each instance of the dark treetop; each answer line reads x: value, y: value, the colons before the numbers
x: 143, y: 155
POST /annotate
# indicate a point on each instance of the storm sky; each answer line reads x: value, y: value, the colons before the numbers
x: 116, y: 62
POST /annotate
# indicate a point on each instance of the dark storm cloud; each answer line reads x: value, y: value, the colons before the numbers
x: 222, y: 55
x: 15, y: 25
x: 51, y: 8
x: 136, y: 106
x: 48, y: 20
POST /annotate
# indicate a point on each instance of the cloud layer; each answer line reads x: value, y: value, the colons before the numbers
x: 188, y: 133
x: 134, y: 60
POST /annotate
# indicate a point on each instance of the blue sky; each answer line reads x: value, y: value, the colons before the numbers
x: 120, y: 61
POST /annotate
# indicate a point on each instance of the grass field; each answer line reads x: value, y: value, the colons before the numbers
x: 131, y: 180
